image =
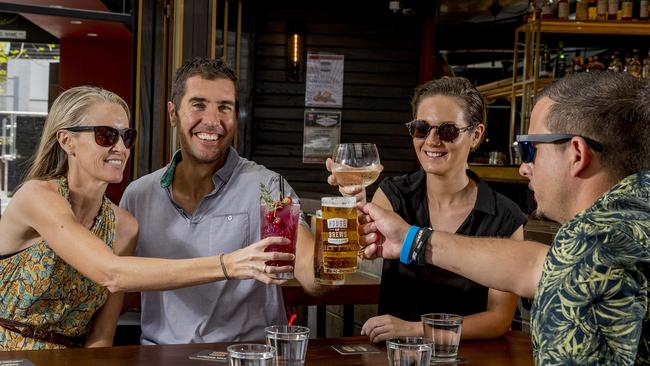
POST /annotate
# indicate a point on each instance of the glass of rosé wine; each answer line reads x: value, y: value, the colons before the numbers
x: 356, y: 164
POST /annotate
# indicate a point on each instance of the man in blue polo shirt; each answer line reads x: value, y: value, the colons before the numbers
x: 207, y: 202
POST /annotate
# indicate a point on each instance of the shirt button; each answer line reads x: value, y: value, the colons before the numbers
x: 229, y: 217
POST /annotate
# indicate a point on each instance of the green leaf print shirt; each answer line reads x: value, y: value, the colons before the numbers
x: 591, y: 303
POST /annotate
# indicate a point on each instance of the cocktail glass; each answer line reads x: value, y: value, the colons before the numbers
x: 280, y: 221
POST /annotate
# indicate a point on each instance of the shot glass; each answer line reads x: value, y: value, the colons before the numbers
x: 444, y: 330
x: 251, y: 355
x: 412, y: 351
x: 281, y: 221
x: 290, y: 342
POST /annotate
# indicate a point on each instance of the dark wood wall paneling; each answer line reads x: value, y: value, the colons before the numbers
x: 381, y: 70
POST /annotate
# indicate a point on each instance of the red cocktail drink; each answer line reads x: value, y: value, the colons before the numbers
x: 281, y: 220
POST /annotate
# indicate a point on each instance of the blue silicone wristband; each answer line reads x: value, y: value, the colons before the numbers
x: 404, y: 254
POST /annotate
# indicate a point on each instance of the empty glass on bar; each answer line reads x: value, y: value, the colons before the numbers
x: 250, y: 354
x: 339, y: 234
x: 412, y: 351
x: 290, y: 342
x: 444, y: 330
x: 319, y: 271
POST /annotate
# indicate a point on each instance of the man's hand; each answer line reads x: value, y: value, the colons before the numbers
x: 381, y: 328
x: 383, y: 231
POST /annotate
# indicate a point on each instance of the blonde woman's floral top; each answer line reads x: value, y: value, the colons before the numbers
x: 39, y: 289
x: 591, y: 306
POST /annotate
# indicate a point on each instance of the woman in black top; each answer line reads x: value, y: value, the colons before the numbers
x: 449, y: 122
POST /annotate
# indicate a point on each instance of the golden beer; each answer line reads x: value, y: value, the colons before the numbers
x: 319, y: 272
x: 339, y: 234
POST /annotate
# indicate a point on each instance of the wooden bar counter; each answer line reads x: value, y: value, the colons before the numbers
x: 512, y: 350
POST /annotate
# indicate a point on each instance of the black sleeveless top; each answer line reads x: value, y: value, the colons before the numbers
x: 407, y: 292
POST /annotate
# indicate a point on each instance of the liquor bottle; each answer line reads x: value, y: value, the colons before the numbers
x: 563, y: 9
x: 626, y: 9
x: 594, y: 64
x: 547, y: 10
x: 602, y: 10
x: 615, y: 65
x: 592, y: 10
x: 598, y: 66
x: 612, y: 9
x: 634, y: 65
x: 545, y: 65
x: 644, y: 6
x: 578, y: 63
x: 560, y: 61
x: 590, y: 65
x: 532, y: 11
x: 645, y: 72
x: 582, y: 10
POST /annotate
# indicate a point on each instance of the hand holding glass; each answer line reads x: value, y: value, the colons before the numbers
x: 356, y: 164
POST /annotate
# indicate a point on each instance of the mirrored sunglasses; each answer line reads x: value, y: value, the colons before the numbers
x: 526, y: 143
x: 106, y: 136
x: 446, y: 131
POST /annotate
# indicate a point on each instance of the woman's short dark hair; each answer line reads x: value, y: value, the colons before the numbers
x: 455, y: 87
x: 206, y: 68
x: 611, y: 108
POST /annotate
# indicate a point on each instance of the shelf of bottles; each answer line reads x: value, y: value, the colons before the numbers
x: 536, y: 68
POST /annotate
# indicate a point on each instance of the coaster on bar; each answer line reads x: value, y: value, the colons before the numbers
x: 453, y: 361
x: 18, y: 362
x: 355, y: 349
x: 210, y: 355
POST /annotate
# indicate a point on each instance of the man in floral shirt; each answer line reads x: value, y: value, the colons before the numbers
x: 587, y: 156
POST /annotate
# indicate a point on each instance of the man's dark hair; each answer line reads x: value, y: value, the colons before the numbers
x: 611, y: 108
x: 204, y: 67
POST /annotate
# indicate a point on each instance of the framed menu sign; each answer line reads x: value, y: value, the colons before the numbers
x: 321, y: 135
x: 324, y: 82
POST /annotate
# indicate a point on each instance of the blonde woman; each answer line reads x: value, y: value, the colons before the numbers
x: 65, y: 247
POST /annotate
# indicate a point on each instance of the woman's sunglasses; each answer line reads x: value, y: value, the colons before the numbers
x: 108, y: 136
x: 527, y: 149
x: 446, y: 131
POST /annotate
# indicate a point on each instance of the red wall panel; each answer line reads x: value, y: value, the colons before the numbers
x: 103, y: 63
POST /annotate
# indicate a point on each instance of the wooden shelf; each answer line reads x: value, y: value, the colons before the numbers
x: 619, y: 28
x: 499, y: 173
x: 502, y: 89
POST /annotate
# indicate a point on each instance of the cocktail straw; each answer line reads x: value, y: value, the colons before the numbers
x: 281, y: 187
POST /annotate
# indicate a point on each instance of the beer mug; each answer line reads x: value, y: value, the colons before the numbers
x: 319, y: 272
x: 339, y: 234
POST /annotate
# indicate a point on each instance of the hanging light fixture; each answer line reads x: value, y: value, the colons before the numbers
x: 294, y: 52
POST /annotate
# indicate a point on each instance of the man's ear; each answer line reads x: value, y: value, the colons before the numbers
x: 171, y: 112
x: 580, y: 154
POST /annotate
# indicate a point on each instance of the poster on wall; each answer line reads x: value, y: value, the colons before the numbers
x: 324, y: 81
x: 321, y: 135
